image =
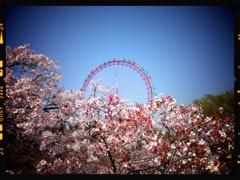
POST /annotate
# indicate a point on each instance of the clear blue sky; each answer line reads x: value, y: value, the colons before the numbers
x: 187, y: 50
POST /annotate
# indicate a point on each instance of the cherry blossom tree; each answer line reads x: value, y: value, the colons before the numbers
x: 103, y: 133
x: 31, y: 82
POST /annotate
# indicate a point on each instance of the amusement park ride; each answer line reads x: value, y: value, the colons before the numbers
x: 135, y: 83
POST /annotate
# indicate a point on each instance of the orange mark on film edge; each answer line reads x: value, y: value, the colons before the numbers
x: 1, y: 38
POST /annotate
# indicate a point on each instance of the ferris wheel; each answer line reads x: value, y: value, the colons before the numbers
x: 126, y: 78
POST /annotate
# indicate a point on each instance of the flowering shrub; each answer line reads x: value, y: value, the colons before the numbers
x: 103, y: 134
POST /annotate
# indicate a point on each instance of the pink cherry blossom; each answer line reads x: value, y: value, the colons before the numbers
x: 73, y: 134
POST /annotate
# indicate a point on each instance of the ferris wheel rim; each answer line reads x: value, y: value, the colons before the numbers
x: 123, y: 62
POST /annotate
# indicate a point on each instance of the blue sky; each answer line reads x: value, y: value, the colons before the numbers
x: 187, y: 50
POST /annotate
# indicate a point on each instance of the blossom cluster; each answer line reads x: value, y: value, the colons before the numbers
x: 102, y: 133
